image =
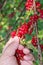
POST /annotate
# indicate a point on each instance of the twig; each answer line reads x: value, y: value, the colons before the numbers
x: 36, y: 27
x: 3, y: 4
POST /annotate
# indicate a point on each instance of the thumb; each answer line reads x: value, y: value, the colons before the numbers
x: 11, y: 46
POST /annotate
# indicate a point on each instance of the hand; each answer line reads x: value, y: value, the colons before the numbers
x: 9, y: 50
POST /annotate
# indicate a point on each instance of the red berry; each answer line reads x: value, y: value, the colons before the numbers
x: 26, y: 4
x: 34, y: 18
x: 19, y: 55
x: 38, y: 9
x: 34, y: 41
x: 23, y: 30
x: 41, y: 13
x: 19, y: 35
x: 41, y: 16
x: 41, y: 45
x: 38, y: 5
x: 13, y: 34
x: 29, y: 4
x: 29, y: 0
x: 29, y: 24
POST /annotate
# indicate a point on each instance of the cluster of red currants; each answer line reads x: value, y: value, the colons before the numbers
x: 39, y: 10
x: 41, y: 13
x: 19, y: 55
x: 23, y: 30
x: 33, y: 20
x: 26, y: 28
x: 34, y: 42
x: 29, y: 4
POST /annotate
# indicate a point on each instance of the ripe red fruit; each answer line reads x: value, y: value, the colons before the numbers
x: 29, y: 4
x: 30, y: 0
x: 34, y: 41
x: 38, y: 5
x: 41, y: 13
x: 38, y: 9
x: 41, y: 16
x: 41, y: 45
x: 26, y: 4
x: 34, y: 18
x: 23, y: 30
x: 19, y: 55
x: 13, y: 34
x: 20, y: 34
x: 29, y: 24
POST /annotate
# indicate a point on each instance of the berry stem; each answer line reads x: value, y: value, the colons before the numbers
x: 36, y: 27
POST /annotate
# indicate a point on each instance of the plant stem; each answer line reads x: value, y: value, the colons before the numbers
x: 36, y: 27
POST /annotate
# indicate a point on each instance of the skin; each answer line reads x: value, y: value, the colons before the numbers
x: 9, y: 50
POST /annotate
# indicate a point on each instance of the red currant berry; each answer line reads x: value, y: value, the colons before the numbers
x: 41, y: 45
x: 34, y: 41
x: 38, y: 5
x: 13, y: 34
x: 19, y: 55
x: 41, y: 16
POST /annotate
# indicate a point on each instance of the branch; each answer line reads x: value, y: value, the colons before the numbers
x: 2, y: 4
x: 36, y: 27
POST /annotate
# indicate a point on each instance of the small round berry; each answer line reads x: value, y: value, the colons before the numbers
x: 13, y: 34
x: 38, y: 5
